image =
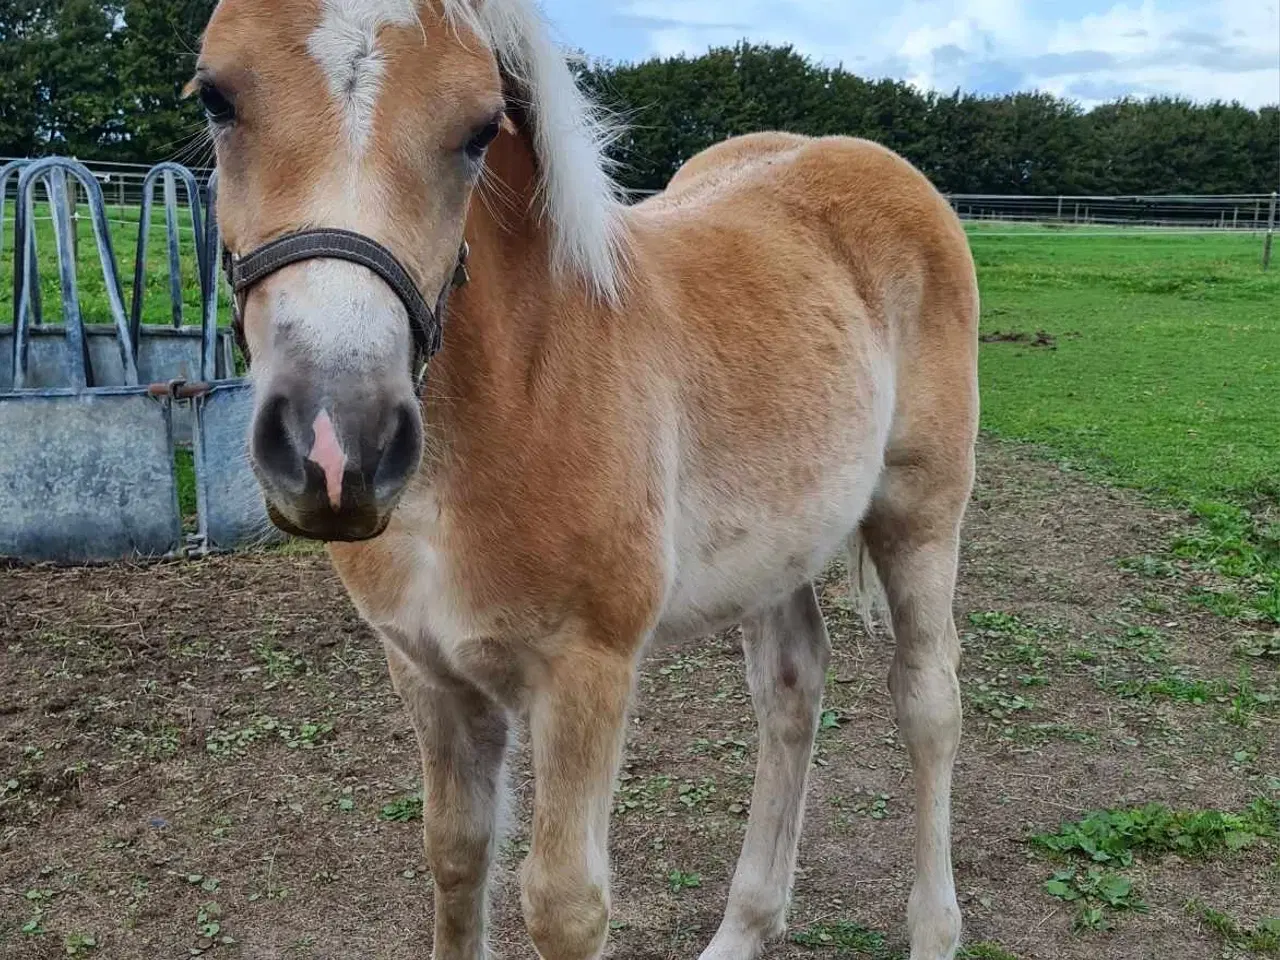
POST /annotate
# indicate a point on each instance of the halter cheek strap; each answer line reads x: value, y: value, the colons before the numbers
x: 425, y: 324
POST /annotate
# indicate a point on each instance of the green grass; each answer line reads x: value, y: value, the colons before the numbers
x: 94, y: 307
x: 1160, y: 372
x: 1108, y: 840
x: 846, y: 938
x: 1114, y: 836
x: 1095, y: 892
x: 984, y: 951
x: 1166, y: 363
x: 402, y: 809
x: 679, y: 880
x: 1263, y: 939
x: 184, y: 470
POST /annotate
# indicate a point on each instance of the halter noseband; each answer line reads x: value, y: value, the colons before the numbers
x: 426, y: 324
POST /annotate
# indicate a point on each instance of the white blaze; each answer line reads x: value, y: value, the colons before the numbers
x: 345, y: 44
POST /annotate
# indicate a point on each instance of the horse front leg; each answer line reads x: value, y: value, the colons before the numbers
x: 576, y: 723
x: 462, y: 735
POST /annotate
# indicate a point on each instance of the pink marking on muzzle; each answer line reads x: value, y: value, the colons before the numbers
x: 326, y: 453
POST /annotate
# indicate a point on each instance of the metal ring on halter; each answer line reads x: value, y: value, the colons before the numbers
x: 425, y: 323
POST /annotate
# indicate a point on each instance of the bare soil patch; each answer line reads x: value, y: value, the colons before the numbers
x: 1041, y: 339
x: 224, y: 732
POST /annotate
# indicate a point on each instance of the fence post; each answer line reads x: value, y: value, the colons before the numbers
x: 1271, y: 230
x: 1059, y: 209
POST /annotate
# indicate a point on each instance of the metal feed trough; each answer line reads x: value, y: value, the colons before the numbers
x: 93, y: 414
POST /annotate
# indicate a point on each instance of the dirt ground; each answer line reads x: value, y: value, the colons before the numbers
x: 198, y: 758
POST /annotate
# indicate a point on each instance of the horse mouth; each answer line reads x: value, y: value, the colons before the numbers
x: 330, y: 526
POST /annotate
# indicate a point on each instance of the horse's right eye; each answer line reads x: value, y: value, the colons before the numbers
x: 216, y: 106
x: 481, y: 139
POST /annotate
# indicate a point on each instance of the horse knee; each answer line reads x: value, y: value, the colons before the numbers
x: 567, y: 919
x: 458, y: 863
x: 927, y: 700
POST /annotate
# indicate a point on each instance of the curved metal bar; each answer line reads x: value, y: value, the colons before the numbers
x: 24, y: 263
x: 174, y: 241
x: 106, y: 256
x: 139, y: 268
x: 60, y: 203
x: 210, y: 279
x: 35, y: 312
x: 28, y: 277
x: 7, y: 172
x: 171, y: 173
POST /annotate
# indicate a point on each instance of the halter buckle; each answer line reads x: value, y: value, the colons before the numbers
x: 460, y: 274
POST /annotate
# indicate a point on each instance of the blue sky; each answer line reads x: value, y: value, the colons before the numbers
x: 1090, y: 50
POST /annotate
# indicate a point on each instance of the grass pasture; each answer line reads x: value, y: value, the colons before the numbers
x: 207, y: 758
x: 123, y: 223
x: 1164, y: 361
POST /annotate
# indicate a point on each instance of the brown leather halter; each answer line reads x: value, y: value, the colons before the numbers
x: 425, y: 324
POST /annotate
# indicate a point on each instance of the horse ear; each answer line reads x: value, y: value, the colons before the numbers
x: 516, y: 98
x: 517, y: 118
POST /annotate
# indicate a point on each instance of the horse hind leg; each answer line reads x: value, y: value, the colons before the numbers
x: 787, y: 651
x: 912, y: 534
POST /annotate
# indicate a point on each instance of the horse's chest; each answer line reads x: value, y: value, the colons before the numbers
x: 413, y: 590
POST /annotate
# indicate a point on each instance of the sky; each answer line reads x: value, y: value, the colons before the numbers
x: 1088, y: 50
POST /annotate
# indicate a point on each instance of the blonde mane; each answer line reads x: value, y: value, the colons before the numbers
x: 577, y: 195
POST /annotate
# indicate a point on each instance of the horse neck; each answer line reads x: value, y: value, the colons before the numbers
x: 513, y: 322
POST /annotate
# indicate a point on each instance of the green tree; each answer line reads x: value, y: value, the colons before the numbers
x: 57, y: 62
x: 103, y: 81
x: 97, y: 80
x: 159, y: 43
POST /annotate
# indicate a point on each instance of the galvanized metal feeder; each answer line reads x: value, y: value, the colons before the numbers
x: 92, y: 414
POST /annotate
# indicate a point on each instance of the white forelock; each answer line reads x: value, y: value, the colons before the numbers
x: 570, y: 134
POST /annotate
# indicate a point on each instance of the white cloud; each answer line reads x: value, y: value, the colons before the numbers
x: 1086, y: 49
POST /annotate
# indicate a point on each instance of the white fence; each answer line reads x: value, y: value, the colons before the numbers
x: 1251, y: 212
x: 121, y: 182
x: 122, y: 186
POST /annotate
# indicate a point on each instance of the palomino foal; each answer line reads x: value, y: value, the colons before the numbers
x: 648, y: 421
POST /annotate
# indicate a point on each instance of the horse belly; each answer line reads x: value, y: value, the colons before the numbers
x: 736, y: 560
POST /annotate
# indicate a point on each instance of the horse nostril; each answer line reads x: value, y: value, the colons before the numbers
x: 401, y: 454
x: 274, y: 448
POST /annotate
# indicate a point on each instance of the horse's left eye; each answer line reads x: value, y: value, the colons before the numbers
x: 481, y: 139
x: 216, y: 106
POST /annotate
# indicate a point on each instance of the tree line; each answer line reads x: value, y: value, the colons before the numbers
x: 1032, y: 143
x: 101, y: 81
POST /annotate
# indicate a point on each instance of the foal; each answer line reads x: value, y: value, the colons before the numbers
x: 648, y: 421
